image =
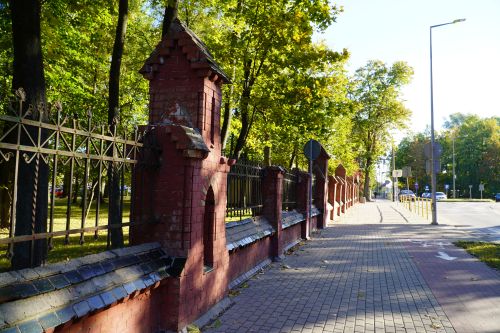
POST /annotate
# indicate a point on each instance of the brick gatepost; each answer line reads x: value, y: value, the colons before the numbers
x: 321, y: 196
x: 340, y: 172
x: 272, y: 199
x: 332, y: 199
x: 303, y: 189
x: 180, y: 189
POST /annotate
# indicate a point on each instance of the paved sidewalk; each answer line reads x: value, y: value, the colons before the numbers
x: 374, y: 271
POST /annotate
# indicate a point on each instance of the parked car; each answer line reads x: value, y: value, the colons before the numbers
x: 441, y: 196
x: 497, y: 197
x: 408, y: 194
x: 59, y: 193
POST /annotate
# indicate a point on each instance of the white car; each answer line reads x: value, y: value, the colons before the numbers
x: 441, y: 196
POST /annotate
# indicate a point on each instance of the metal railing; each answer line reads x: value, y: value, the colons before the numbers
x: 290, y: 181
x: 420, y: 206
x: 244, y: 190
x: 68, y: 159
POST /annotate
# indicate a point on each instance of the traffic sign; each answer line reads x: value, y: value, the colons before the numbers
x: 437, y: 166
x: 438, y: 150
x: 397, y: 173
x: 312, y: 149
x: 481, y: 187
x: 446, y: 186
x: 406, y: 172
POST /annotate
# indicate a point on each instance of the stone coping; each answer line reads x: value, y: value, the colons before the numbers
x: 315, y: 211
x: 245, y: 232
x: 291, y: 218
x: 248, y: 275
x: 39, y: 299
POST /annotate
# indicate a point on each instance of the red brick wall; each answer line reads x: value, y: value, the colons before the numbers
x: 144, y: 313
x: 314, y: 221
x: 244, y: 259
x: 291, y: 234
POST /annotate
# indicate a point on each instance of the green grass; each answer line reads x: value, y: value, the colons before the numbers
x: 62, y: 252
x: 466, y: 200
x: 488, y: 253
x: 245, y: 214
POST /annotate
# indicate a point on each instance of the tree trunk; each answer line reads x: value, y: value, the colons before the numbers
x: 6, y: 179
x: 226, y: 123
x: 267, y: 156
x: 169, y: 16
x: 366, y: 187
x: 33, y: 178
x: 245, y: 122
x: 293, y: 157
x: 114, y: 215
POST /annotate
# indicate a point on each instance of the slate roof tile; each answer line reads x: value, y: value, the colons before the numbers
x: 49, y: 320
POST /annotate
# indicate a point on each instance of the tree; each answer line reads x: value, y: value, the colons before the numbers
x: 114, y: 215
x: 375, y: 94
x: 410, y: 152
x: 28, y: 74
x: 477, y: 154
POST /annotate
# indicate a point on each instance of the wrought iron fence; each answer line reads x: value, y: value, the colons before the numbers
x: 76, y: 156
x: 290, y: 181
x: 244, y: 190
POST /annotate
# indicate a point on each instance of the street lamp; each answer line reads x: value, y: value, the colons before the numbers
x: 433, y: 171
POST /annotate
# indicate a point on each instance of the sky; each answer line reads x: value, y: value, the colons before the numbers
x: 466, y: 55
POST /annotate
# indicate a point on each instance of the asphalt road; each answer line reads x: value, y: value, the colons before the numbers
x: 481, y: 217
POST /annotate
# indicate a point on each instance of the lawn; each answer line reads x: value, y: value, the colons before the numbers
x: 62, y: 252
x: 488, y: 253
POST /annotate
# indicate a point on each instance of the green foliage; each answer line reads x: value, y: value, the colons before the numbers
x: 6, y: 52
x: 477, y: 155
x: 286, y: 88
x: 284, y: 85
x: 77, y: 39
x: 375, y: 95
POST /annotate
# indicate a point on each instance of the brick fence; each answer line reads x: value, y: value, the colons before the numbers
x: 184, y: 257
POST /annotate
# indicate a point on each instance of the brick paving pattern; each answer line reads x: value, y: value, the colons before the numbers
x: 351, y: 278
x: 376, y: 270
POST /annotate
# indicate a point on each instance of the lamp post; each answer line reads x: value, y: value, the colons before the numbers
x: 433, y: 170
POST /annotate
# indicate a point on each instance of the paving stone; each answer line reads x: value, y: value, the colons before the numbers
x: 353, y: 277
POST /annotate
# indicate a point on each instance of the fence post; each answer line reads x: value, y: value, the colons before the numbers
x: 302, y: 201
x: 272, y: 199
x: 321, y: 195
x: 340, y: 172
x: 188, y: 190
x: 332, y: 191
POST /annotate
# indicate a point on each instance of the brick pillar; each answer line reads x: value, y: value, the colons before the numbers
x: 349, y: 192
x: 303, y: 188
x: 321, y: 195
x: 272, y: 198
x: 182, y: 200
x: 340, y: 172
x: 332, y: 196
